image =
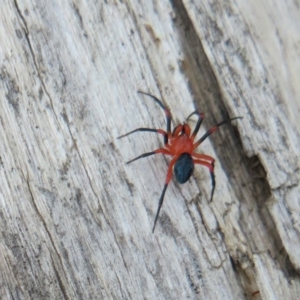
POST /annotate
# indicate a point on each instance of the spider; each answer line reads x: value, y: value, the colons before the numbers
x: 180, y: 144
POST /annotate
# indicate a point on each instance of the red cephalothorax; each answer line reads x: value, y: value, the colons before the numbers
x: 180, y: 144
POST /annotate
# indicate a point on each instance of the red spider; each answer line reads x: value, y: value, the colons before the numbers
x: 180, y: 144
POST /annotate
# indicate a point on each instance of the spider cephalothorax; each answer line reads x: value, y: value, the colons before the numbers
x: 180, y: 144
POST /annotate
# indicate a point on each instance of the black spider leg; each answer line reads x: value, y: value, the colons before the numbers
x: 160, y: 150
x: 160, y: 131
x: 213, y: 180
x: 212, y: 164
x: 200, y: 119
x: 149, y: 130
x: 161, y: 199
x: 160, y: 202
x: 169, y: 175
x: 213, y: 129
x: 167, y: 113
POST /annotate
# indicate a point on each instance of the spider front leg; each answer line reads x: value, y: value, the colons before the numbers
x: 157, y: 151
x: 213, y: 129
x: 211, y: 167
x: 201, y: 116
x: 167, y: 134
x: 167, y: 114
x: 160, y: 131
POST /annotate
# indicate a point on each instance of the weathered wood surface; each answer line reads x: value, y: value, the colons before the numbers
x: 76, y: 221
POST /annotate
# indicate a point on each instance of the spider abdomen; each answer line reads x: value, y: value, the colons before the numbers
x: 184, y: 167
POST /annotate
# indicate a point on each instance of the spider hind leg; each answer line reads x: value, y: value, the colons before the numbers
x: 210, y: 167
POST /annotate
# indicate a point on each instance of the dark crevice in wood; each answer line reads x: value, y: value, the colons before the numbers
x: 246, y: 277
x: 246, y: 176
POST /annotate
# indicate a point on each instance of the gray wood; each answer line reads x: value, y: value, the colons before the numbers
x: 76, y: 220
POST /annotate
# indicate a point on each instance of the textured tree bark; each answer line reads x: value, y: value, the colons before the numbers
x: 76, y: 220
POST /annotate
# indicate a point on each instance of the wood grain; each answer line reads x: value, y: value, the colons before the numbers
x: 76, y: 220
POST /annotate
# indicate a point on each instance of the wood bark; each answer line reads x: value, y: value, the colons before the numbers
x: 76, y: 220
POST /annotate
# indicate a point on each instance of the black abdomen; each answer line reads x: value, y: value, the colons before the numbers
x: 184, y: 168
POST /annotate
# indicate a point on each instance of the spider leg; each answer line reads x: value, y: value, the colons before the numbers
x: 167, y: 113
x: 161, y: 199
x: 211, y: 167
x: 213, y: 129
x: 204, y: 157
x: 201, y: 116
x: 160, y: 131
x: 157, y: 151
